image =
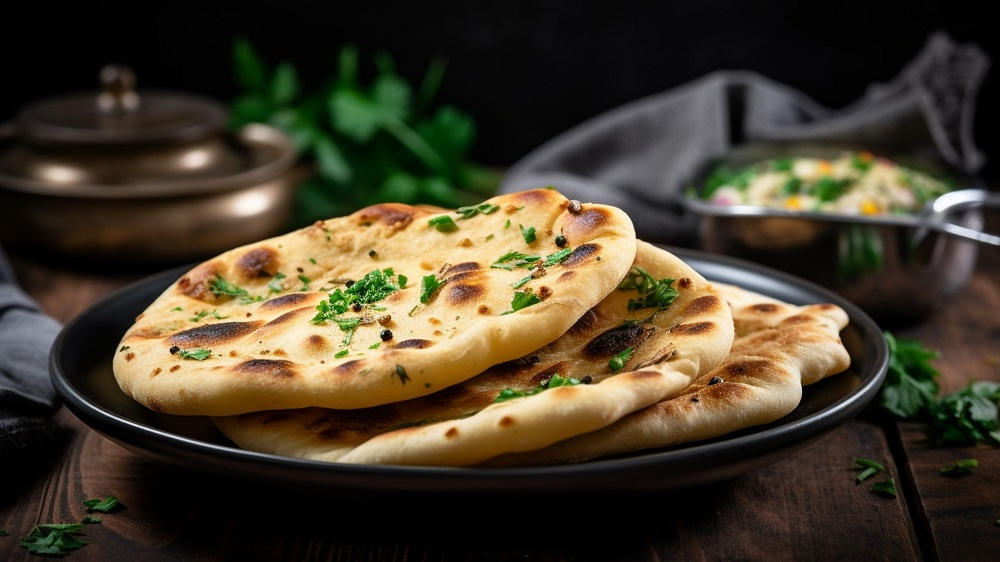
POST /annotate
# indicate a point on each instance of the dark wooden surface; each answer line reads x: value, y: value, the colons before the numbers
x: 805, y: 507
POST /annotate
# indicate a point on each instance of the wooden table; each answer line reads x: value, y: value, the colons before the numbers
x: 805, y: 507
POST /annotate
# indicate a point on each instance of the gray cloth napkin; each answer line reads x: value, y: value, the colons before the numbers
x: 640, y: 155
x: 26, y: 395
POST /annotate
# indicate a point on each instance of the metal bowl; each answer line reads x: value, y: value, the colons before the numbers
x: 898, y: 268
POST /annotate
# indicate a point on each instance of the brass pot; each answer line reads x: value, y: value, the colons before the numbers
x: 156, y: 177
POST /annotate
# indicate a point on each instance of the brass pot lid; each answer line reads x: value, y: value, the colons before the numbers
x: 119, y: 115
x: 122, y: 143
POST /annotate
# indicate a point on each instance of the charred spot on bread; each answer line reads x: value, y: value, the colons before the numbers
x: 258, y: 262
x: 278, y: 368
x: 617, y: 340
x: 702, y: 305
x: 462, y: 293
x: 211, y: 334
x: 581, y: 255
x: 395, y: 215
x: 414, y: 344
x: 692, y: 329
x: 283, y: 301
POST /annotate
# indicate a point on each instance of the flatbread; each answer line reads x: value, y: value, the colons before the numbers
x: 778, y: 349
x: 270, y: 354
x: 462, y: 425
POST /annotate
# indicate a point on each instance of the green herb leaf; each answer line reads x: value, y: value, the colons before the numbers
x: 556, y: 381
x: 558, y: 257
x: 3, y: 533
x: 512, y: 260
x: 401, y: 374
x: 967, y: 416
x: 375, y: 345
x: 402, y: 279
x: 506, y: 225
x: 91, y: 519
x: 275, y: 285
x: 199, y: 315
x: 104, y: 505
x: 782, y: 164
x: 473, y: 210
x: 176, y: 309
x: 305, y: 283
x: 341, y: 353
x: 249, y: 68
x: 220, y: 287
x: 284, y: 84
x: 909, y: 389
x: 443, y: 223
x: 658, y: 294
x: 199, y: 354
x: 57, y: 539
x: 428, y: 286
x: 617, y: 363
x: 528, y: 234
x: 871, y: 468
x: 522, y: 299
x: 887, y: 487
x: 829, y: 189
x: 521, y: 282
x: 960, y: 467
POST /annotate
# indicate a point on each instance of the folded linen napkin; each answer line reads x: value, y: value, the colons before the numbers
x: 26, y: 395
x: 640, y: 155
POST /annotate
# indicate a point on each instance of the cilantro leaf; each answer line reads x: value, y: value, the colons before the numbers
x: 91, y: 519
x: 443, y: 223
x: 220, y: 287
x: 473, y: 210
x: 57, y: 539
x: 275, y: 285
x: 522, y: 299
x: 967, y: 416
x: 556, y: 381
x: 960, y: 467
x: 341, y: 353
x: 887, y: 487
x: 528, y: 234
x: 199, y: 354
x: 428, y: 286
x: 653, y: 293
x: 512, y: 260
x: 556, y: 258
x: 909, y: 389
x: 521, y: 282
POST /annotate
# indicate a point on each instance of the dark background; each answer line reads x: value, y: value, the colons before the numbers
x: 526, y: 71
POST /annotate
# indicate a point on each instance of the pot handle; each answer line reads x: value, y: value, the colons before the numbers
x: 959, y: 200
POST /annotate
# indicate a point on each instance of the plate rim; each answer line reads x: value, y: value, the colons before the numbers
x: 835, y: 414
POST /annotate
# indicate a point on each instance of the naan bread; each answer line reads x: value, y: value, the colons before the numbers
x: 462, y: 425
x: 271, y: 355
x: 778, y: 349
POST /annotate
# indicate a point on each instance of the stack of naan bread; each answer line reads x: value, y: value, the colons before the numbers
x: 528, y: 329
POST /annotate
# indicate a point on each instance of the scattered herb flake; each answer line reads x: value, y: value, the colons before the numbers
x: 512, y: 260
x: 401, y: 279
x: 305, y: 282
x: 177, y: 309
x: 522, y: 299
x: 528, y: 233
x: 556, y: 381
x: 888, y: 487
x: 3, y: 533
x: 220, y: 287
x: 412, y: 310
x: 375, y: 345
x: 103, y: 505
x: 558, y: 257
x: 123, y: 348
x: 506, y: 225
x: 428, y: 286
x: 617, y: 363
x: 312, y: 261
x: 960, y: 467
x: 199, y: 354
x: 473, y: 210
x: 521, y: 282
x: 216, y: 314
x: 275, y: 285
x: 401, y: 373
x: 342, y: 353
x: 489, y: 237
x: 652, y: 293
x: 199, y: 315
x: 91, y: 519
x: 443, y: 223
x: 57, y: 539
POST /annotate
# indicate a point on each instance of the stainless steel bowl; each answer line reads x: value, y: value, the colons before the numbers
x: 898, y: 268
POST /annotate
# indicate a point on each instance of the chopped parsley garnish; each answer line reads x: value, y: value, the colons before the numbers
x: 91, y: 519
x: 506, y: 225
x: 828, y: 189
x: 887, y: 487
x: 199, y: 315
x: 522, y: 299
x: 220, y: 287
x: 305, y: 282
x: 960, y: 467
x: 312, y: 261
x: 402, y: 279
x: 342, y: 353
x: 528, y: 233
x: 473, y: 210
x: 556, y: 381
x: 199, y: 354
x: 521, y: 282
x: 375, y: 345
x: 275, y: 285
x: 176, y: 309
x: 617, y: 363
x: 443, y: 223
x: 558, y: 257
x: 652, y: 293
x: 869, y: 468
x: 373, y: 287
x: 965, y: 417
x: 401, y: 374
x: 489, y: 237
x: 104, y: 505
x: 52, y: 538
x: 512, y: 260
x: 792, y: 186
x: 428, y: 286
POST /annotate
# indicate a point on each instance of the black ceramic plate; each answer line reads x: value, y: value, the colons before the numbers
x: 81, y: 371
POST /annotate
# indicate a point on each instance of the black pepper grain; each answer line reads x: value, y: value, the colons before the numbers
x: 372, y: 253
x: 386, y: 335
x: 174, y: 349
x: 560, y: 240
x: 356, y: 307
x: 587, y: 379
x: 695, y: 399
x: 348, y: 283
x: 714, y: 380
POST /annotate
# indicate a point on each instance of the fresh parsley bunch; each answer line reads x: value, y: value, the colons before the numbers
x: 370, y: 143
x: 965, y: 417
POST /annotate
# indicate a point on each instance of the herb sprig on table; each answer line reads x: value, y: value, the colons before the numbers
x: 965, y: 417
x: 381, y: 141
